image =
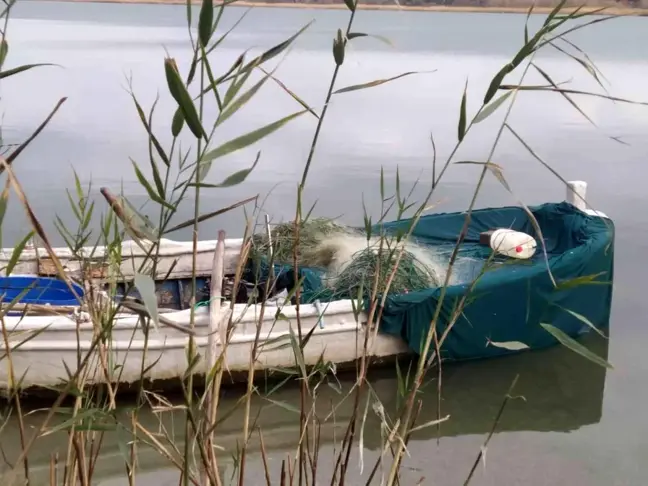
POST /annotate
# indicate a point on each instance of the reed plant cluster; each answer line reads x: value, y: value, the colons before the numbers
x: 90, y: 415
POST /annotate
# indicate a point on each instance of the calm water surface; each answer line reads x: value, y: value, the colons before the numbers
x: 579, y: 425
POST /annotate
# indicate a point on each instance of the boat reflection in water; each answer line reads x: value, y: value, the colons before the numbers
x: 562, y: 392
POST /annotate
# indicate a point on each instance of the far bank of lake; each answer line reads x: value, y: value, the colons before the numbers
x: 610, y: 7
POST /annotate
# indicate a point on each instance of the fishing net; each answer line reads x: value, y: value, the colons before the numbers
x: 367, y: 265
x: 311, y: 234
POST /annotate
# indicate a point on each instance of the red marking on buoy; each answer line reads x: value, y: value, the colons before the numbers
x: 518, y: 249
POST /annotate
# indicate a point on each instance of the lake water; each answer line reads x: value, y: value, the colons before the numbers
x: 579, y: 425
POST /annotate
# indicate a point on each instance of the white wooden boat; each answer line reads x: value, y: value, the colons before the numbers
x: 58, y: 342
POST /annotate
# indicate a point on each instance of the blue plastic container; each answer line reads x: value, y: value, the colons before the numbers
x: 43, y: 290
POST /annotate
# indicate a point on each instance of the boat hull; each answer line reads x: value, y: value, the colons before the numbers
x: 46, y: 359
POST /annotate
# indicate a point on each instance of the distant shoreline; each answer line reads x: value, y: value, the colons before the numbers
x: 620, y: 11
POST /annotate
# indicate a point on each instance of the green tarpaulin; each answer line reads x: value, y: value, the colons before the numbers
x: 510, y: 300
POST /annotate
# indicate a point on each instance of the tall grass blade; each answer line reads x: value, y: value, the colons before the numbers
x: 12, y: 156
x: 207, y: 216
x: 239, y: 102
x: 181, y: 96
x: 290, y: 92
x: 149, y: 130
x: 149, y: 189
x: 555, y: 86
x: 20, y: 69
x: 570, y: 91
x: 146, y: 288
x: 496, y: 82
x: 508, y: 345
x: 461, y: 128
x: 490, y: 108
x: 354, y: 35
x: 242, y: 142
x: 205, y: 22
x: 583, y: 280
x: 178, y: 122
x: 35, y: 224
x: 584, y: 320
x: 377, y: 82
x: 273, y: 51
x: 236, y: 178
x: 17, y: 251
x: 4, y: 203
x: 526, y: 23
x: 575, y: 346
x: 4, y: 50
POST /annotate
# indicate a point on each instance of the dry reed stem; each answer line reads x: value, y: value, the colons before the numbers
x: 15, y: 392
x: 37, y: 226
x: 215, y: 326
x: 423, y: 363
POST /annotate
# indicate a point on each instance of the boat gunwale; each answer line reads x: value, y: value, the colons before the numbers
x: 242, y: 315
x: 153, y: 344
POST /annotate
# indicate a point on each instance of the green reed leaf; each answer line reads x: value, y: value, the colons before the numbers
x: 32, y: 334
x: 205, y: 22
x: 569, y: 31
x: 583, y: 319
x: 181, y: 96
x: 149, y: 189
x: 273, y: 51
x: 234, y: 179
x: 73, y: 205
x: 157, y: 179
x: 236, y: 66
x: 377, y: 82
x: 242, y: 142
x: 177, y: 123
x: 582, y: 280
x: 81, y: 420
x: 235, y: 86
x: 507, y: 87
x: 239, y: 102
x: 351, y: 4
x: 284, y: 405
x: 147, y: 126
x: 554, y: 12
x: 135, y: 224
x: 17, y: 251
x: 461, y: 128
x: 146, y: 288
x: 229, y: 31
x: 20, y: 69
x: 77, y: 186
x: 490, y: 108
x: 564, y: 95
x: 575, y: 346
x: 496, y: 83
x: 354, y: 35
x: 297, y: 351
x: 290, y: 92
x: 12, y: 156
x: 526, y: 24
x: 586, y: 63
x: 508, y: 345
x: 4, y: 203
x: 4, y: 50
x: 205, y: 217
